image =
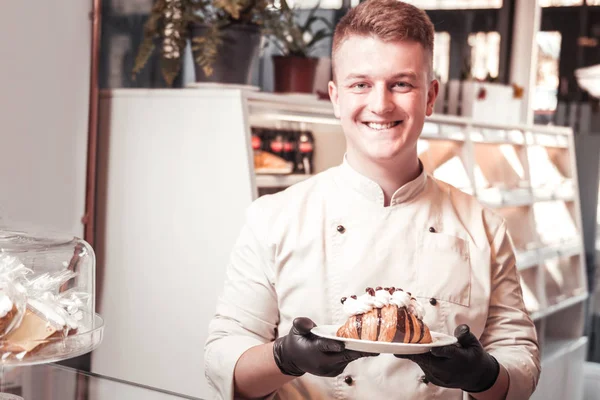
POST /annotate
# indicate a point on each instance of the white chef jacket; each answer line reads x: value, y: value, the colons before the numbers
x: 330, y: 236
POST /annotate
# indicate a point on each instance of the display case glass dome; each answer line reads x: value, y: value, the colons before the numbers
x: 47, y: 297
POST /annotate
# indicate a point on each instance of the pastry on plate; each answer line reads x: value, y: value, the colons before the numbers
x: 384, y: 315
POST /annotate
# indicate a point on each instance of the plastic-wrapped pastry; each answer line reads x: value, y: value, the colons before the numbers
x: 49, y: 315
x: 13, y: 298
x: 384, y: 315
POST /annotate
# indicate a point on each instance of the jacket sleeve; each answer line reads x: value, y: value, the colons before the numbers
x: 247, y: 313
x: 509, y: 334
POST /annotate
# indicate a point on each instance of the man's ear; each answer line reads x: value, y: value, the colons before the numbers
x: 432, y: 93
x: 333, y: 96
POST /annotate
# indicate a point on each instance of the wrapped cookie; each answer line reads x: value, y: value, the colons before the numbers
x: 49, y: 314
x: 13, y: 298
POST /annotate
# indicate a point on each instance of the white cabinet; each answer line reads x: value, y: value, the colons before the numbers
x: 177, y: 173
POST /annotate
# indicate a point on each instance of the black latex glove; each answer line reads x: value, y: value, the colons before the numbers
x: 464, y: 365
x: 301, y: 351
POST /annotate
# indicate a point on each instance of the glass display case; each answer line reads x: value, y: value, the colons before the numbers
x: 47, y: 298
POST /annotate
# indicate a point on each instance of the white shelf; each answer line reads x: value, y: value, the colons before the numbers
x: 506, y: 198
x: 556, y: 348
x: 496, y: 198
x: 527, y: 259
x: 273, y: 181
x: 531, y: 258
x: 558, y: 307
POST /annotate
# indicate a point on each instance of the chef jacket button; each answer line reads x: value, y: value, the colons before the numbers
x: 431, y: 229
x: 341, y: 229
x: 424, y: 380
x: 348, y: 379
x: 432, y: 301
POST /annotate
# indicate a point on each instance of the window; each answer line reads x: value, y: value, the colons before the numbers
x: 485, y: 54
x: 455, y: 4
x: 546, y: 87
x: 441, y: 56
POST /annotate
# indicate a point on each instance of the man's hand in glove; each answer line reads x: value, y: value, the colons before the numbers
x: 464, y: 365
x: 301, y: 351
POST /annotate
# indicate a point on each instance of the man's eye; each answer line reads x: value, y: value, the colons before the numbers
x: 403, y: 85
x: 360, y: 86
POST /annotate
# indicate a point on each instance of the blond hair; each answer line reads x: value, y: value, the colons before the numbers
x: 387, y: 20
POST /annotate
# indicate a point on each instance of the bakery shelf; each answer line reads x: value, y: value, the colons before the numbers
x: 548, y: 140
x: 556, y: 348
x: 555, y: 222
x: 527, y: 259
x: 536, y: 256
x: 496, y: 198
x: 533, y: 293
x: 274, y: 180
x: 521, y: 227
x: 545, y: 312
x: 497, y: 135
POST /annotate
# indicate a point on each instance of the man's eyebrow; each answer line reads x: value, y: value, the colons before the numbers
x: 400, y: 75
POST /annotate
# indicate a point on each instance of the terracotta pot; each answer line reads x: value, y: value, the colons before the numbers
x: 294, y: 74
x: 236, y: 55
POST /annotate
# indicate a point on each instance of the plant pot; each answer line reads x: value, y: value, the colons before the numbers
x: 236, y: 55
x: 294, y: 74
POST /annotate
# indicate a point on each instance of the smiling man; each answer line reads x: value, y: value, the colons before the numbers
x: 377, y: 219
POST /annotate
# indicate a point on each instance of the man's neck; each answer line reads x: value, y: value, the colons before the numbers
x: 389, y: 175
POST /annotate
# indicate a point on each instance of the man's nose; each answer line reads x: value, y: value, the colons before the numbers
x: 381, y: 100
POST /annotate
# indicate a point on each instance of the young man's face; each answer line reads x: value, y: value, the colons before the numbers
x: 381, y: 95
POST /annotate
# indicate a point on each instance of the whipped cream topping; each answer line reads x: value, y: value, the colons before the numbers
x: 380, y: 298
x: 5, y: 305
x: 357, y: 306
x: 400, y: 298
x: 416, y: 308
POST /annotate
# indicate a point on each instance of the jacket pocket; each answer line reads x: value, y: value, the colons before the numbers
x: 443, y: 268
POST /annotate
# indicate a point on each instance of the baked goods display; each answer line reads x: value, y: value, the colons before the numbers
x: 267, y: 163
x: 384, y: 315
x: 33, y: 311
x: 47, y: 292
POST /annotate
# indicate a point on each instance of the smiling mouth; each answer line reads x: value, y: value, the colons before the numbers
x: 380, y: 127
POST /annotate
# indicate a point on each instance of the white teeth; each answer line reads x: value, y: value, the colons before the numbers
x: 377, y: 126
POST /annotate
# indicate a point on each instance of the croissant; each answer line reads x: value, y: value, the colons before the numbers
x: 373, y: 319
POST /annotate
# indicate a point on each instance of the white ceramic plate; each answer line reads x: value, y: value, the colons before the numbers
x: 439, y: 339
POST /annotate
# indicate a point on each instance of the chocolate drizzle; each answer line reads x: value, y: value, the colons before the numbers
x: 359, y: 325
x: 400, y: 326
x: 421, y: 326
x: 411, y: 328
x: 378, y: 323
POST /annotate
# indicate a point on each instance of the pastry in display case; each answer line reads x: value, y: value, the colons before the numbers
x: 47, y: 307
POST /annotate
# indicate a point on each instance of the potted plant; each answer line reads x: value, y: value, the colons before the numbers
x: 225, y: 37
x: 294, y: 69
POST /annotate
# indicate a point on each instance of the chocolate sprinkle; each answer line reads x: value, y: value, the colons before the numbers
x: 370, y: 291
x: 378, y: 288
x: 343, y: 300
x: 353, y: 296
